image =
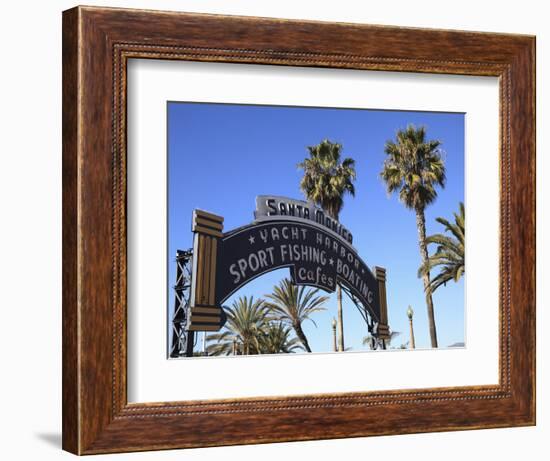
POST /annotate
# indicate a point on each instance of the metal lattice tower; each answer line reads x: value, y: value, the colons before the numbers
x: 182, y: 339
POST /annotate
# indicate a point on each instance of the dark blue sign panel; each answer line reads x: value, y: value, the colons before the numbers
x: 314, y: 255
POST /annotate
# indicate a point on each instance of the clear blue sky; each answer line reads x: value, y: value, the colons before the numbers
x: 220, y: 157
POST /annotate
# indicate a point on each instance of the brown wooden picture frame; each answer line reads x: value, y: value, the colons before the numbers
x: 97, y: 44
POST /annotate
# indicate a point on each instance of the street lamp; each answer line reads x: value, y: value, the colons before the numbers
x: 334, y: 347
x: 410, y: 313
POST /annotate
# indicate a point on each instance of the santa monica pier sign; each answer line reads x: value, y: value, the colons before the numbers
x: 270, y: 206
x: 285, y: 233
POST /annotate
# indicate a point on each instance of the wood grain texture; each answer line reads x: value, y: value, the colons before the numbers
x: 97, y: 43
x: 70, y: 384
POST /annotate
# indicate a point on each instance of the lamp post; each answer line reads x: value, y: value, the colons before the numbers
x: 410, y: 313
x: 334, y: 346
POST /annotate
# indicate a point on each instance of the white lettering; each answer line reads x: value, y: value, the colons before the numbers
x: 284, y: 232
x: 233, y: 271
x: 242, y: 266
x: 253, y: 262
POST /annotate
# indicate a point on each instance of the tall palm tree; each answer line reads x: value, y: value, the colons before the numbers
x: 243, y: 329
x: 294, y: 305
x: 325, y: 182
x: 449, y: 256
x: 414, y: 167
x: 276, y: 338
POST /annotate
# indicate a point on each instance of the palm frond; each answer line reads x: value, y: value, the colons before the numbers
x: 413, y: 167
x: 246, y: 318
x: 449, y: 256
x: 294, y: 305
x: 326, y: 179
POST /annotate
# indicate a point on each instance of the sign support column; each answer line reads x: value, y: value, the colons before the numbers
x: 383, y: 327
x: 205, y: 315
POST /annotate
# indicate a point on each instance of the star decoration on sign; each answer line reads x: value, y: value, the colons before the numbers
x: 331, y: 261
x: 251, y: 240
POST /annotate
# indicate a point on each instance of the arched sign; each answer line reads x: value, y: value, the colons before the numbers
x: 317, y: 251
x: 314, y: 256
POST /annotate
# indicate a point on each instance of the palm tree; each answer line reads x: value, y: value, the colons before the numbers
x: 325, y: 182
x: 450, y: 252
x: 276, y: 339
x: 414, y: 168
x: 294, y: 305
x: 369, y: 339
x: 243, y: 329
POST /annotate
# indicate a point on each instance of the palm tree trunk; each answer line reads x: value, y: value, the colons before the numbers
x: 335, y: 214
x: 421, y: 226
x: 340, y: 319
x: 301, y: 336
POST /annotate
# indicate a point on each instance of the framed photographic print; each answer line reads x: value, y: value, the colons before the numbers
x: 284, y: 230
